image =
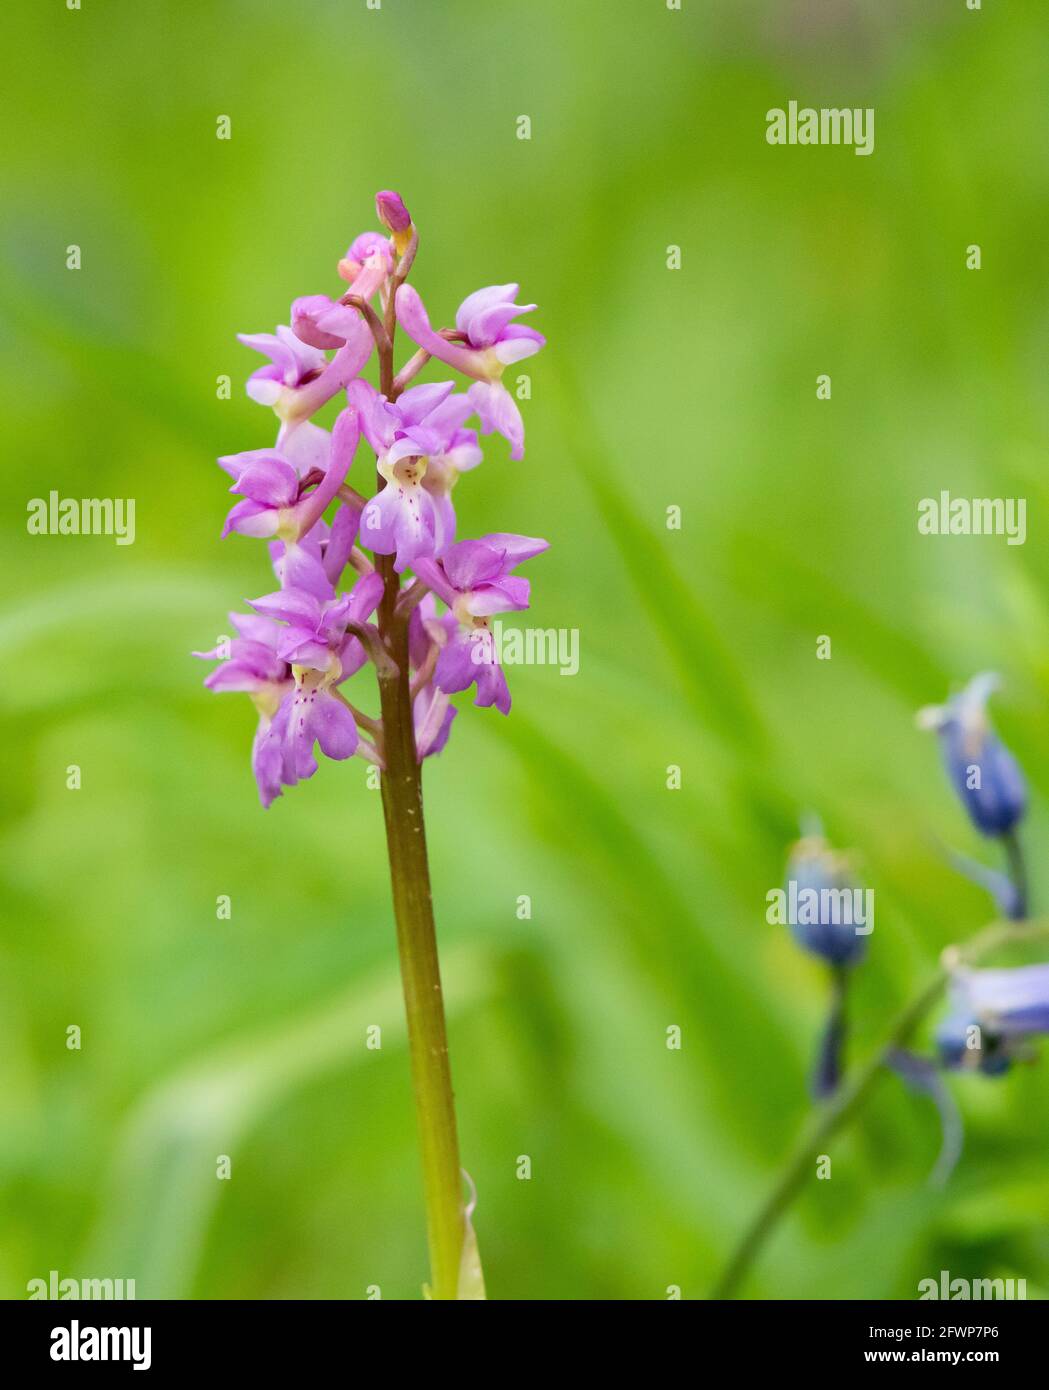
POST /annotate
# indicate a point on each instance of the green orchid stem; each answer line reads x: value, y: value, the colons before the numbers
x: 402, y: 804
x: 829, y: 1118
x: 417, y: 944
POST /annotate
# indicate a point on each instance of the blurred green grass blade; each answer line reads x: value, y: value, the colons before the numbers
x: 702, y: 657
x: 699, y: 965
x: 887, y: 650
x: 163, y: 1183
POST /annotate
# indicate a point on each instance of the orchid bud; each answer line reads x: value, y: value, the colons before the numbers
x: 394, y: 216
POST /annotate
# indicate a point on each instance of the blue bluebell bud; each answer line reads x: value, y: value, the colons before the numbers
x: 985, y: 774
x: 827, y: 913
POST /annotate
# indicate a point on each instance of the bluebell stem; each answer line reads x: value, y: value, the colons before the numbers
x: 827, y: 1070
x: 820, y: 892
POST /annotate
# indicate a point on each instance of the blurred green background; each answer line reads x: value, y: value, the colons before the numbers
x: 693, y: 387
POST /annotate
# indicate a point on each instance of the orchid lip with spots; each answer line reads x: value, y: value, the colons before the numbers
x: 370, y: 574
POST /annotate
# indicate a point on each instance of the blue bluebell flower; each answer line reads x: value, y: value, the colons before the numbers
x: 984, y: 773
x: 993, y: 1016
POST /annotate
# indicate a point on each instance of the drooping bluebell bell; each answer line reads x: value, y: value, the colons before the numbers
x: 993, y: 1016
x: 984, y: 773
